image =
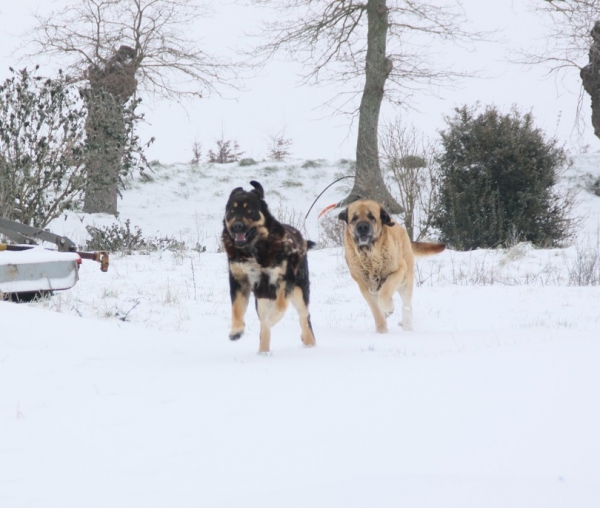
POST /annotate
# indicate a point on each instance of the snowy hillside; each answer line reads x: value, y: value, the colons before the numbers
x: 125, y: 391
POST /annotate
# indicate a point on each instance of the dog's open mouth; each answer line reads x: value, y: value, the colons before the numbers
x: 364, y: 240
x: 242, y: 238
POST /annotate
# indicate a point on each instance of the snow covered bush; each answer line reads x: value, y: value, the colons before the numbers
x: 123, y: 238
x: 42, y: 138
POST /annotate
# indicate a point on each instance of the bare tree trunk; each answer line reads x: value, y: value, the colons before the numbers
x: 368, y: 182
x: 590, y: 77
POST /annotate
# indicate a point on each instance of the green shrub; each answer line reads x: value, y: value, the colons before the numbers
x: 271, y: 169
x: 291, y: 183
x: 247, y: 162
x: 42, y: 140
x: 498, y: 182
x: 311, y: 164
x: 122, y: 238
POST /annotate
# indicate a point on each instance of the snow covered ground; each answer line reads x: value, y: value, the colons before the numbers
x: 125, y: 391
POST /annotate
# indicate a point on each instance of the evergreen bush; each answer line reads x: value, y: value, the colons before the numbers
x: 498, y: 184
x: 42, y: 140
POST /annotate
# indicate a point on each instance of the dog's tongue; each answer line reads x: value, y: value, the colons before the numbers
x: 240, y: 237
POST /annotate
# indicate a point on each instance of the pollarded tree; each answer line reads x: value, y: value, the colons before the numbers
x: 498, y: 182
x: 118, y: 48
x: 572, y: 44
x: 382, y: 42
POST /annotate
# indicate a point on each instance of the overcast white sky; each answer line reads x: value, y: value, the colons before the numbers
x: 275, y: 100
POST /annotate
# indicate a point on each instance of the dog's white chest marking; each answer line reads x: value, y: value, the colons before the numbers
x: 253, y: 272
x: 249, y: 270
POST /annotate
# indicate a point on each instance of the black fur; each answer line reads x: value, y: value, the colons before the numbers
x: 386, y: 220
x: 252, y: 236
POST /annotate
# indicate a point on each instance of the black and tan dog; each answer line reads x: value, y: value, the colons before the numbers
x: 268, y: 259
x: 380, y: 257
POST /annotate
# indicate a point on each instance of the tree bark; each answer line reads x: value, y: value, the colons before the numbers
x: 590, y: 77
x: 368, y: 181
x: 111, y: 86
x: 105, y: 131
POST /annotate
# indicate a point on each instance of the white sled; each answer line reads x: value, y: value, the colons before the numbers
x: 36, y: 269
x: 25, y: 267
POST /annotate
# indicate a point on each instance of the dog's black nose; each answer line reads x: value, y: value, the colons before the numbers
x: 363, y: 228
x: 237, y: 227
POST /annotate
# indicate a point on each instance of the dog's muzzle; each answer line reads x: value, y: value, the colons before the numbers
x: 363, y: 233
x: 240, y: 235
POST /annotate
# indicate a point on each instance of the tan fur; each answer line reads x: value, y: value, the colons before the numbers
x: 270, y: 313
x: 260, y: 224
x: 307, y: 336
x: 267, y: 259
x: 386, y: 264
x: 238, y: 311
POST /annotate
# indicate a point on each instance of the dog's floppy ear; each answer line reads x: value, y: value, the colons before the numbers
x: 236, y: 190
x: 386, y: 220
x: 344, y: 216
x: 258, y: 189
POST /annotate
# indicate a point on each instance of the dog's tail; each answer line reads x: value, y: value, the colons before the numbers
x: 310, y: 244
x: 426, y: 249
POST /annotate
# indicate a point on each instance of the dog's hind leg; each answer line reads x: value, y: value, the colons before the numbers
x: 301, y: 305
x: 405, y: 291
x: 270, y: 313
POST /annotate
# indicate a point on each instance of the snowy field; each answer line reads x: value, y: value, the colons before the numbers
x: 125, y: 391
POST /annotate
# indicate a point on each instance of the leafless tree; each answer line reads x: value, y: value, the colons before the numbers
x: 196, y: 152
x: 227, y: 151
x: 118, y: 48
x: 383, y: 42
x: 572, y: 43
x: 411, y: 161
x: 279, y: 146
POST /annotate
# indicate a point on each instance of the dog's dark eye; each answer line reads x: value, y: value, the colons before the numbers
x: 371, y: 217
x: 354, y: 219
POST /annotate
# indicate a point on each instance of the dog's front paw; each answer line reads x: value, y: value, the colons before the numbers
x: 382, y: 328
x: 236, y: 334
x: 386, y: 306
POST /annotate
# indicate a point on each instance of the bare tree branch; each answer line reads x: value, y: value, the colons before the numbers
x: 169, y: 63
x: 379, y: 43
x: 571, y: 43
x: 567, y: 39
x: 330, y: 40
